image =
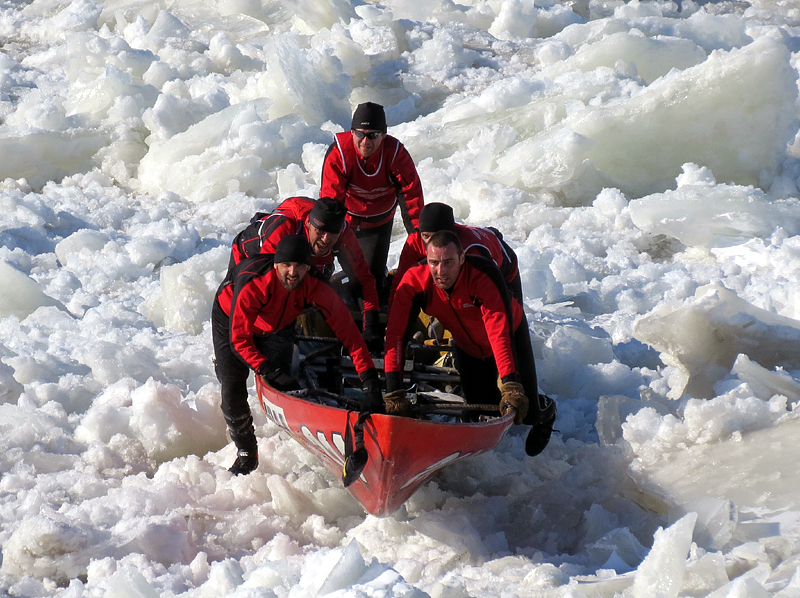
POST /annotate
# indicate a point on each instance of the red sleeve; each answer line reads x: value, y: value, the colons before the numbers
x: 413, y: 251
x: 498, y: 327
x: 334, y: 175
x: 246, y: 305
x: 338, y: 317
x: 398, y: 319
x: 405, y: 173
x: 351, y: 251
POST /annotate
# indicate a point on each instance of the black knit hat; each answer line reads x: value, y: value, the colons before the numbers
x: 328, y: 215
x: 435, y: 217
x: 369, y: 116
x: 293, y: 248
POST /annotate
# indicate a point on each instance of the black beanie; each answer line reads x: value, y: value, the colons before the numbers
x: 293, y: 248
x: 369, y: 116
x: 435, y: 217
x: 328, y: 215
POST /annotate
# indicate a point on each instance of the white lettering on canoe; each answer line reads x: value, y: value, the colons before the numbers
x: 275, y: 413
x: 434, y: 467
x: 321, y: 442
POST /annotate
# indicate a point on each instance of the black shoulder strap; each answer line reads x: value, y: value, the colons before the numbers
x: 488, y: 267
x: 252, y: 267
x: 261, y: 226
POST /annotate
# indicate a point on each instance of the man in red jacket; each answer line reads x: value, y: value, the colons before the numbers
x: 487, y: 242
x: 322, y: 223
x: 372, y: 173
x: 469, y: 296
x: 252, y: 323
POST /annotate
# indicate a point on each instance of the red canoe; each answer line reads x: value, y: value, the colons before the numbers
x: 404, y: 452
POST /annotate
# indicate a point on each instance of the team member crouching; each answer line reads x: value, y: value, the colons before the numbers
x: 468, y: 295
x: 253, y: 321
x: 322, y: 223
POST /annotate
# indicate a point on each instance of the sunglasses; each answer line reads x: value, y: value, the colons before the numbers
x: 368, y: 135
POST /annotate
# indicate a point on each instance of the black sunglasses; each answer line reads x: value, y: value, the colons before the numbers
x: 368, y: 135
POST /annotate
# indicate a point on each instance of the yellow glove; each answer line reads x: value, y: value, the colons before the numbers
x: 396, y: 403
x: 512, y: 396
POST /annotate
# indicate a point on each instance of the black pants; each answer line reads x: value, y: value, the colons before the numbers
x: 479, y: 376
x: 232, y: 372
x: 374, y: 243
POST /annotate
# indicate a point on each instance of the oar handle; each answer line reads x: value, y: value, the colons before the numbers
x: 420, y: 409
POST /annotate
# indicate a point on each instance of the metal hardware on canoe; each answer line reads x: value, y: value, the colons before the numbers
x: 444, y: 407
x: 307, y: 393
x: 318, y: 339
x: 321, y: 351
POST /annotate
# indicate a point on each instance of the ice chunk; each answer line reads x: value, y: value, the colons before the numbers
x: 621, y: 545
x: 80, y: 242
x: 21, y: 294
x: 716, y: 520
x: 747, y: 585
x: 41, y: 156
x: 763, y: 382
x: 703, y: 337
x: 700, y: 215
x: 228, y: 152
x: 129, y: 583
x: 346, y: 568
x: 170, y: 428
x: 289, y: 501
x: 653, y: 57
x: 10, y: 389
x: 47, y: 546
x: 612, y: 410
x: 756, y: 469
x: 746, y: 97
x: 661, y: 574
x: 187, y: 290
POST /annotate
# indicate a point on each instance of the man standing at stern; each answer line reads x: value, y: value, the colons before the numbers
x: 372, y: 173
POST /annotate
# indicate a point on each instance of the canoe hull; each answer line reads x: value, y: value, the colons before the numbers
x: 404, y: 453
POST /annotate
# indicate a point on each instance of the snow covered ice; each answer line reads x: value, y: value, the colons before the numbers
x: 643, y: 160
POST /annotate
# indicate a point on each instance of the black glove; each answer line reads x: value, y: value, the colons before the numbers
x: 278, y: 377
x: 371, y: 387
x: 372, y: 333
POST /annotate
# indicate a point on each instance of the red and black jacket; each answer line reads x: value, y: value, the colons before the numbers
x: 371, y: 188
x: 487, y: 242
x: 478, y: 311
x: 291, y: 217
x: 258, y: 304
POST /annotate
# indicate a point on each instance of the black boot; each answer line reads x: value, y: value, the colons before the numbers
x: 542, y: 428
x: 244, y: 437
x: 245, y: 463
